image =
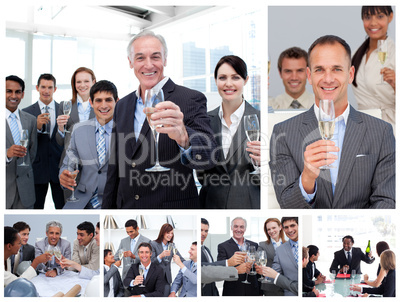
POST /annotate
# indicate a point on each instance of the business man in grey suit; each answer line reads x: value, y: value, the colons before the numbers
x: 186, y: 279
x: 286, y: 257
x: 27, y: 251
x: 85, y: 249
x: 90, y: 145
x: 130, y: 245
x: 364, y: 173
x: 20, y: 188
x: 54, y: 230
x: 112, y: 283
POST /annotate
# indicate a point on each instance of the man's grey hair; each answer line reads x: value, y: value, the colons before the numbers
x: 245, y: 222
x: 54, y: 223
x: 148, y: 33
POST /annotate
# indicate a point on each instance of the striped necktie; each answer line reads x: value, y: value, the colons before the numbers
x: 296, y: 252
x: 101, y: 145
x: 15, y: 130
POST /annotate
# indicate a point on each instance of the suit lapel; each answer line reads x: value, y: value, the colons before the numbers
x: 354, y: 134
x: 216, y: 126
x: 55, y: 129
x: 310, y: 132
x: 91, y: 138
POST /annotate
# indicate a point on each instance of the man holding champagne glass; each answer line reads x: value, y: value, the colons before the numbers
x: 362, y: 153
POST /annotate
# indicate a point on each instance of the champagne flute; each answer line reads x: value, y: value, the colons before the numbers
x: 141, y: 271
x: 326, y: 123
x: 169, y: 248
x: 57, y: 252
x: 73, y: 167
x: 67, y: 110
x: 252, y: 128
x: 345, y: 270
x: 262, y: 256
x: 174, y: 250
x: 245, y: 249
x: 152, y: 98
x: 121, y: 254
x: 382, y: 51
x: 252, y: 258
x: 49, y: 250
x: 24, y: 139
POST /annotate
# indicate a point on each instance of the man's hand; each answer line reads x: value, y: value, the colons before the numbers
x: 42, y: 119
x: 172, y: 294
x: 389, y: 76
x: 317, y: 155
x: 16, y: 151
x: 237, y: 258
x: 117, y: 263
x: 67, y: 180
x: 62, y: 121
x: 52, y: 273
x: 316, y: 292
x: 320, y: 279
x: 255, y: 148
x: 138, y: 280
x: 170, y: 117
x: 165, y: 253
x: 243, y: 268
x: 344, y: 267
x: 177, y: 260
x: 129, y: 254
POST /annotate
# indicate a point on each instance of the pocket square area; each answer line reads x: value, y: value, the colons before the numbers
x: 361, y: 155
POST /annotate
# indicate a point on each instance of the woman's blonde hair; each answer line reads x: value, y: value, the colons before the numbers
x: 387, y: 260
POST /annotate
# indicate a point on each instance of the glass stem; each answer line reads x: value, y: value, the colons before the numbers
x: 156, y: 137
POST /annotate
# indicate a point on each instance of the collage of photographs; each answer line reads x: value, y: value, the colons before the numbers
x: 258, y: 140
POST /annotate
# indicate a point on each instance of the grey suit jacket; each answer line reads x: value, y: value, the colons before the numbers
x: 20, y: 187
x: 157, y: 248
x: 117, y: 282
x: 74, y: 119
x: 285, y: 263
x: 366, y: 177
x: 92, y: 176
x: 28, y: 254
x: 91, y: 260
x: 40, y: 248
x: 285, y: 283
x: 229, y: 184
x: 269, y: 289
x: 187, y: 281
x: 125, y: 244
x: 214, y: 273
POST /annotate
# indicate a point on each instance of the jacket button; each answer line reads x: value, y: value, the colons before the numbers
x: 99, y: 172
x: 133, y: 164
x: 198, y: 156
x: 136, y: 197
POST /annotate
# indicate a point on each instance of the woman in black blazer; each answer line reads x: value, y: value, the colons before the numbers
x: 387, y: 287
x: 229, y: 185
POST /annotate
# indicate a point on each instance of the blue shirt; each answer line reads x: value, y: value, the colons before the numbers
x: 83, y: 114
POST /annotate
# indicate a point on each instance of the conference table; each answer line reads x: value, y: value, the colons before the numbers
x: 340, y: 286
x: 48, y: 286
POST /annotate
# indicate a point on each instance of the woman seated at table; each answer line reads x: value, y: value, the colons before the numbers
x: 387, y: 287
x: 380, y: 247
x: 229, y: 185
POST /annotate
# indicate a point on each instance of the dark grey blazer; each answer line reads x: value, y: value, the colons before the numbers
x: 366, y: 177
x: 229, y: 185
x: 20, y: 188
x: 117, y: 282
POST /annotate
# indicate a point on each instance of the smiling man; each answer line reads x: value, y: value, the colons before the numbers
x: 20, y: 187
x: 227, y: 249
x: 85, y: 249
x: 362, y: 148
x: 185, y: 141
x: 54, y: 230
x: 292, y: 67
x: 90, y: 145
x: 287, y: 255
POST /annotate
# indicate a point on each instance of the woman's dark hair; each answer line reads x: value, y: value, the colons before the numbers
x: 166, y: 228
x: 358, y: 56
x: 381, y: 246
x: 237, y: 64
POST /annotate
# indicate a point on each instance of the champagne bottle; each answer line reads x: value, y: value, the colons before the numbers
x: 368, y: 248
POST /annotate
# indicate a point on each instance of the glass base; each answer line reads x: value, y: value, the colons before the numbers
x: 246, y: 282
x: 23, y: 165
x: 157, y: 168
x: 252, y: 273
x: 73, y: 199
x: 141, y: 285
x: 256, y: 171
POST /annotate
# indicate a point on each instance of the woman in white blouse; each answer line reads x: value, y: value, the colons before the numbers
x: 229, y: 185
x: 368, y: 70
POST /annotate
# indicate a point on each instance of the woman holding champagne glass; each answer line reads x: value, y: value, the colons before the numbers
x: 374, y: 64
x: 163, y: 249
x: 275, y: 237
x: 229, y: 185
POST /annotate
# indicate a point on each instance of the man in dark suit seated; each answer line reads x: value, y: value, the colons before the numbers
x: 153, y: 280
x: 112, y: 284
x: 185, y: 137
x: 227, y: 249
x: 362, y: 148
x: 349, y: 257
x: 27, y: 251
x: 310, y: 271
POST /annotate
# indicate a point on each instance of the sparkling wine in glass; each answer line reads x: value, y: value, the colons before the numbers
x: 326, y: 123
x: 49, y: 250
x: 169, y: 248
x: 382, y: 51
x: 262, y: 258
x: 252, y: 128
x: 73, y: 167
x: 245, y: 248
x: 152, y: 98
x: 67, y: 110
x: 252, y: 257
x: 121, y: 254
x: 24, y: 140
x: 57, y: 252
x: 141, y: 271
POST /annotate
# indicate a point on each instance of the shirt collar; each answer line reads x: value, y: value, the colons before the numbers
x: 156, y: 87
x: 343, y: 116
x: 16, y: 113
x: 244, y: 240
x: 108, y: 127
x: 42, y: 105
x: 293, y: 242
x: 147, y: 267
x: 235, y: 116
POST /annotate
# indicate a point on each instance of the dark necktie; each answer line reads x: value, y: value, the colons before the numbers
x: 349, y: 259
x: 295, y: 104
